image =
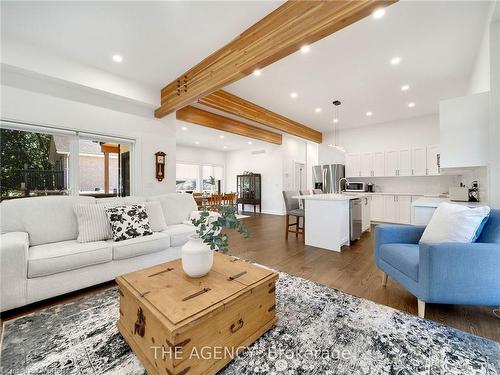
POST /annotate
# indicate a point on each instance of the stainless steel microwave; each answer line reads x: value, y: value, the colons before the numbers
x: 355, y: 186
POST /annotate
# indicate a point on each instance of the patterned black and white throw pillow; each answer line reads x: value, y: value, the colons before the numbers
x: 128, y: 221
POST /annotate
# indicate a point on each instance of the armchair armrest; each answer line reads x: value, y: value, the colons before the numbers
x: 13, y: 269
x: 388, y: 233
x: 460, y: 273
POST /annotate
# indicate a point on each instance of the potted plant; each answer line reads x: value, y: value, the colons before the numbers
x: 197, y: 253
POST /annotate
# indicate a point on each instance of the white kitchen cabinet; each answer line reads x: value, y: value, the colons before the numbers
x: 419, y: 161
x: 378, y: 164
x: 391, y: 162
x: 464, y: 131
x: 404, y: 168
x: 398, y: 162
x: 353, y: 165
x: 377, y: 208
x: 366, y: 213
x: 367, y: 164
x: 390, y: 209
x: 403, y: 203
x: 433, y: 160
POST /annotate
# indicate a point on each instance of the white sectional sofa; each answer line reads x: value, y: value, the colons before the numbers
x: 41, y: 258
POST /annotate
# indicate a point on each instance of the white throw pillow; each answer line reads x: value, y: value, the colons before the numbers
x: 93, y: 223
x: 155, y: 215
x: 455, y: 223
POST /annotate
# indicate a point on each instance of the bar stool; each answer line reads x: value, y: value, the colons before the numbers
x: 293, y: 209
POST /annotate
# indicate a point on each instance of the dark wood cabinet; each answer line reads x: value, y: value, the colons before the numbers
x: 249, y: 190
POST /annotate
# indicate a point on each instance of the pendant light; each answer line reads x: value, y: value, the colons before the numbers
x: 335, y: 121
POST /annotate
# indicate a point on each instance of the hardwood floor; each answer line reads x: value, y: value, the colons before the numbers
x: 352, y: 271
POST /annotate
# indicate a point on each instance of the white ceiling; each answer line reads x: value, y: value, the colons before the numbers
x: 159, y: 40
x: 210, y: 138
x: 436, y: 40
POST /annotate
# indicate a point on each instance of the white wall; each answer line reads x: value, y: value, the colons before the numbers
x: 494, y: 158
x: 199, y: 155
x: 152, y: 135
x: 269, y: 164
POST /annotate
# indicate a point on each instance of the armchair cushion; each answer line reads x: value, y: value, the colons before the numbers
x: 404, y: 257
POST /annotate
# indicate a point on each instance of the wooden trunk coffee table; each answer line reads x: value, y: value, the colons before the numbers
x: 179, y: 325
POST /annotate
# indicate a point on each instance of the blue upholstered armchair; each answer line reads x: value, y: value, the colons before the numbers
x: 455, y: 273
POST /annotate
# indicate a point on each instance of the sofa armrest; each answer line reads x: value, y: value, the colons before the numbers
x: 460, y: 273
x: 14, y: 269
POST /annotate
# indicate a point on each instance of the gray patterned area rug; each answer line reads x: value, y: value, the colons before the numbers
x: 320, y: 331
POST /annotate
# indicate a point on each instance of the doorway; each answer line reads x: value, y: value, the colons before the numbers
x: 299, y: 177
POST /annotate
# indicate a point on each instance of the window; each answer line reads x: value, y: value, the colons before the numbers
x: 31, y: 165
x: 37, y: 160
x: 200, y: 178
x: 186, y: 177
x: 104, y: 168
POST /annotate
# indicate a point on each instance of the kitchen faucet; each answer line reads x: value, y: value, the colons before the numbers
x: 340, y: 183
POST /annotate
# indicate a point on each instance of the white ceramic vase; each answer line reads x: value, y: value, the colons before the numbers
x: 197, y: 258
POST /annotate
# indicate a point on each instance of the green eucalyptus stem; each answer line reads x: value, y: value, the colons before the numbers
x: 209, y: 230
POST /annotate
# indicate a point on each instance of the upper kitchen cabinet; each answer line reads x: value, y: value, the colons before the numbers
x: 419, y: 161
x: 463, y: 125
x: 398, y: 162
x: 353, y: 165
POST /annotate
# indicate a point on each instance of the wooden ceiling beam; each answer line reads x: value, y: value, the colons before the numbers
x: 214, y: 121
x: 277, y: 35
x: 227, y: 102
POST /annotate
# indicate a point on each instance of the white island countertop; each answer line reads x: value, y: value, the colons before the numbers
x: 327, y: 197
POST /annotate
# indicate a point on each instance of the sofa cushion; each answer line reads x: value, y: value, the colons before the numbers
x: 179, y: 233
x: 45, y: 219
x: 140, y: 245
x: 52, y: 258
x: 402, y: 256
x: 176, y: 207
x: 155, y: 215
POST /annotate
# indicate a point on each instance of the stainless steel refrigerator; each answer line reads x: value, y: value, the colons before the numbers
x: 326, y: 177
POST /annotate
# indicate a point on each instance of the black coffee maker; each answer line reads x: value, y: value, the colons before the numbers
x: 370, y: 187
x: 474, y: 192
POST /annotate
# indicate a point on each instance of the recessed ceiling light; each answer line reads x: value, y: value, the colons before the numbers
x: 221, y: 136
x: 378, y: 13
x: 293, y: 95
x: 305, y: 49
x: 184, y: 128
x: 411, y: 105
x: 318, y: 110
x: 225, y: 147
x: 405, y: 87
x: 335, y: 120
x: 249, y: 142
x: 369, y: 113
x: 257, y: 72
x: 197, y: 142
x: 117, y: 58
x: 395, y: 60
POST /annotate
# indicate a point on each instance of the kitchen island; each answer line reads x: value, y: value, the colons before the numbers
x: 327, y: 220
